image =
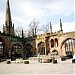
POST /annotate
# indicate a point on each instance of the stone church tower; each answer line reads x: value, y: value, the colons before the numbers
x: 8, y: 28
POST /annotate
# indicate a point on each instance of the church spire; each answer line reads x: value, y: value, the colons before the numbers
x: 8, y: 15
x: 8, y: 28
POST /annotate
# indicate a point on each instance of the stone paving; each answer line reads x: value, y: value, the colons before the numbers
x: 34, y: 67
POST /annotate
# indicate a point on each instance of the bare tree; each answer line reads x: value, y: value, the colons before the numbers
x: 18, y: 31
x: 45, y: 28
x: 33, y: 28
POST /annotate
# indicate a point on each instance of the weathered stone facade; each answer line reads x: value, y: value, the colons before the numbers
x: 59, y: 42
x: 56, y: 41
x: 7, y: 38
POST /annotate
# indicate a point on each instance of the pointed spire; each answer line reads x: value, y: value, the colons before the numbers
x: 3, y: 25
x: 22, y: 34
x: 50, y: 27
x: 8, y: 28
x: 13, y: 25
x: 60, y: 25
x: 8, y: 14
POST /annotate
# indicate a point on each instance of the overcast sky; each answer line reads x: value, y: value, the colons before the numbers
x: 45, y: 11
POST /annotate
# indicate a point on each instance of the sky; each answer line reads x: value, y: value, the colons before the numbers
x: 44, y: 11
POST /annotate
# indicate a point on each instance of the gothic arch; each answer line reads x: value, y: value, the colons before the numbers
x: 68, y: 46
x: 28, y: 50
x: 13, y: 43
x: 41, y: 48
x: 16, y: 49
x: 66, y: 40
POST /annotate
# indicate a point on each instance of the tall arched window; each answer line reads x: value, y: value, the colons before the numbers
x: 16, y: 50
x: 69, y: 46
x: 28, y: 50
x: 52, y: 43
x: 41, y: 48
x: 56, y: 42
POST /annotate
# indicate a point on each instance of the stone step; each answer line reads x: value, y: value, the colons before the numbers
x: 44, y: 57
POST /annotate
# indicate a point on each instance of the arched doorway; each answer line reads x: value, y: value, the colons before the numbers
x: 16, y: 50
x: 69, y: 46
x: 28, y: 50
x: 41, y: 48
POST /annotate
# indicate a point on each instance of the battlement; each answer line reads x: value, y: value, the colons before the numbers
x: 42, y: 35
x: 49, y: 34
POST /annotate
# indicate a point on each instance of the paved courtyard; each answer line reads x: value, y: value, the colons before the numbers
x: 62, y: 67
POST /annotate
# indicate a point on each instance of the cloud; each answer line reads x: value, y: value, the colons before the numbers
x: 30, y: 9
x: 1, y: 20
x: 27, y: 10
x: 41, y: 8
x: 67, y: 27
x: 64, y: 7
x: 24, y: 11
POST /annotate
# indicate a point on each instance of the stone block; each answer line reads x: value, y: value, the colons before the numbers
x: 26, y: 62
x: 46, y: 61
x: 73, y: 60
x: 8, y: 62
x: 54, y: 61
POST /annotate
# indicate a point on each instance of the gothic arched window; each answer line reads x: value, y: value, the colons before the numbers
x: 1, y: 47
x: 56, y: 42
x: 52, y: 43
